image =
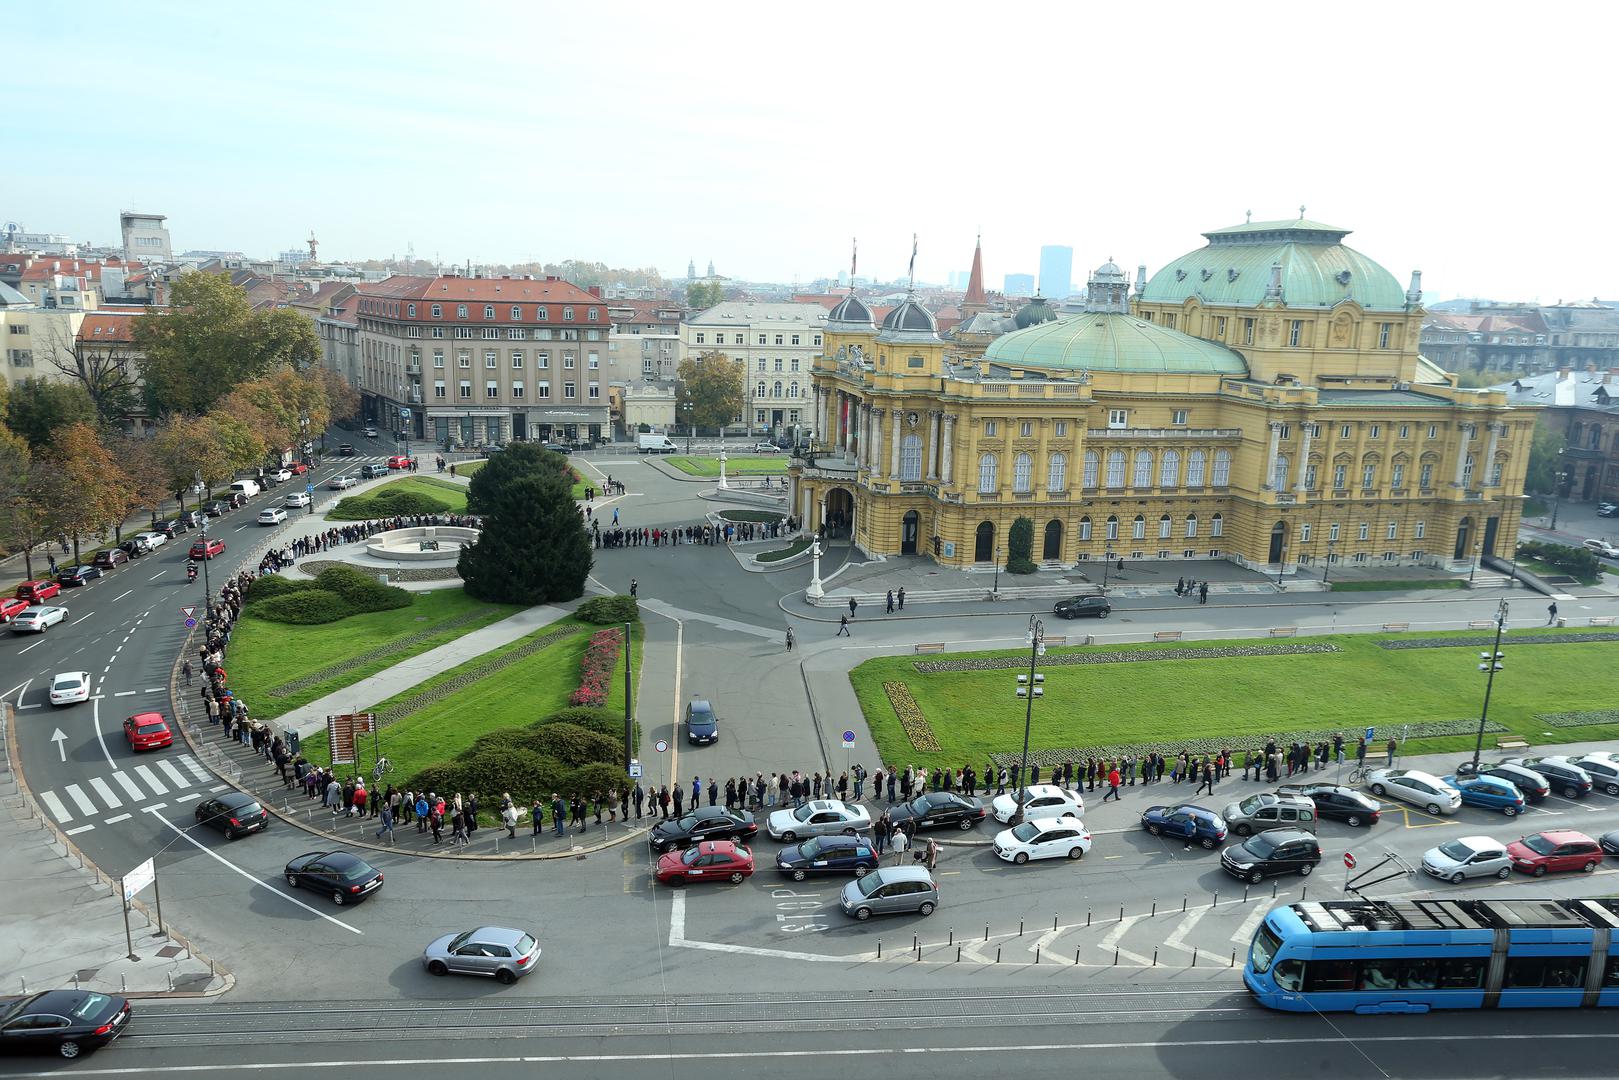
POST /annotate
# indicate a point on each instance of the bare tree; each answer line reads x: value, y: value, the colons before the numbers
x: 106, y: 369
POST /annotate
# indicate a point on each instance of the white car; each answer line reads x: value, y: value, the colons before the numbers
x: 766, y: 448
x: 1603, y: 548
x: 817, y: 818
x: 1417, y: 788
x: 35, y: 620
x: 339, y: 483
x: 296, y: 500
x: 153, y: 539
x: 70, y: 686
x: 370, y: 432
x: 1041, y: 801
x: 272, y: 516
x: 1044, y: 838
x: 1467, y: 857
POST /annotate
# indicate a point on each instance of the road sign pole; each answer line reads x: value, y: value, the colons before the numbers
x: 129, y: 939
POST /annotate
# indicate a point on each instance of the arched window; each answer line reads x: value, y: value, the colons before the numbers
x: 1115, y: 468
x: 1022, y: 473
x: 776, y: 390
x: 1084, y: 528
x: 1143, y: 476
x: 1138, y: 528
x: 1222, y: 468
x: 1169, y: 469
x: 1089, y: 479
x: 1194, y: 469
x: 910, y: 458
x: 1217, y: 526
x: 1112, y: 527
x: 1057, y: 473
x: 1279, y: 478
x: 761, y: 392
x: 1163, y: 527
x: 1191, y: 526
x: 792, y: 390
x: 988, y: 475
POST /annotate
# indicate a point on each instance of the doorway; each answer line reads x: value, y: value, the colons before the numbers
x: 984, y: 542
x: 839, y: 520
x: 1491, y: 524
x: 1464, y: 534
x: 1051, y: 550
x: 910, y: 527
x: 1278, y: 541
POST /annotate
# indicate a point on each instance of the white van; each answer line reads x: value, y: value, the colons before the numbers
x: 246, y: 488
x: 656, y: 443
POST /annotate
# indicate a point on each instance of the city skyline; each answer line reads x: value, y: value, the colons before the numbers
x: 397, y: 145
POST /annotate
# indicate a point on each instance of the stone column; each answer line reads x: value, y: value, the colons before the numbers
x: 1461, y: 453
x: 1304, y: 460
x: 1040, y: 478
x: 819, y: 411
x: 947, y: 469
x: 934, y: 453
x: 849, y: 413
x: 893, y: 451
x: 1270, y: 456
x: 1496, y: 431
x: 874, y: 454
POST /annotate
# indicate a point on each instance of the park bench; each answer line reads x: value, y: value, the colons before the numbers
x: 1166, y: 635
x: 1392, y: 626
x: 929, y: 646
x: 1284, y: 631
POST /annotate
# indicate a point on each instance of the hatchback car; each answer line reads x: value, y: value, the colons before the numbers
x: 1564, y: 777
x: 153, y: 539
x: 77, y: 575
x: 703, y: 823
x: 68, y: 1022
x: 1601, y: 547
x: 297, y: 500
x: 711, y: 860
x: 110, y: 558
x: 1609, y: 842
x: 702, y: 726
x: 135, y: 547
x: 935, y: 808
x: 495, y: 952
x: 273, y: 515
x: 207, y: 549
x: 1077, y: 606
x: 1555, y: 850
x: 1417, y: 788
x: 1607, y: 509
x: 891, y: 890
x: 1338, y: 803
x: 37, y: 619
x: 171, y: 528
x: 1039, y: 801
x: 69, y: 687
x: 234, y: 813
x: 278, y: 476
x: 340, y: 483
x: 35, y: 591
x: 1603, y: 768
x: 766, y: 448
x: 1044, y: 838
x: 1281, y: 810
x: 147, y: 731
x: 11, y: 607
x: 345, y: 450
x: 343, y: 876
x: 1490, y: 793
x: 370, y: 432
x: 817, y: 818
x: 218, y: 508
x: 399, y: 461
x: 837, y: 854
x: 1275, y: 851
x: 1532, y: 784
x: 1467, y: 857
x: 1186, y: 821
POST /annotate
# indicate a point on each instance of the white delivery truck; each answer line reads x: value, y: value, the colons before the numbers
x: 657, y: 443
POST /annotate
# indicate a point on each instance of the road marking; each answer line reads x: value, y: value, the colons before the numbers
x: 35, y: 705
x: 80, y: 799
x: 173, y: 774
x: 152, y: 781
x: 216, y: 856
x: 155, y: 807
x: 189, y: 798
x: 95, y: 718
x: 198, y: 771
x: 678, y: 939
x: 117, y: 819
x: 125, y: 693
x: 35, y: 645
x: 54, y: 805
x: 1110, y: 943
x: 23, y: 686
x: 153, y: 690
x: 80, y: 829
x: 157, y: 575
x: 1245, y: 932
x: 80, y: 619
x: 1178, y: 935
x: 132, y: 789
x: 121, y: 595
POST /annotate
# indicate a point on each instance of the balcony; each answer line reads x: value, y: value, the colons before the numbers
x: 1203, y: 434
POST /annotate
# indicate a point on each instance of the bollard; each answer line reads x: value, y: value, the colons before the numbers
x: 1121, y: 912
x: 1273, y: 887
x: 1245, y: 894
x: 1194, y: 956
x: 1233, y: 957
x: 1304, y: 893
x: 1076, y: 956
x: 1154, y: 910
x: 1115, y: 958
x: 25, y: 986
x: 997, y: 954
x: 958, y: 954
x: 952, y: 940
x: 1054, y: 921
x: 1020, y: 928
x: 1183, y: 904
x: 914, y: 941
x: 986, y: 932
x: 123, y: 984
x: 1154, y: 958
x: 75, y: 980
x: 1087, y: 920
x: 171, y: 981
x: 919, y: 952
x: 1037, y: 954
x: 1216, y: 900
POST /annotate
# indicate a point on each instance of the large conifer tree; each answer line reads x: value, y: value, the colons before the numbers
x: 534, y: 548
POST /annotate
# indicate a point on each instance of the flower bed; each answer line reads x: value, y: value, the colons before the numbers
x: 596, y: 668
x: 991, y: 663
x: 1579, y: 719
x: 910, y: 715
x: 1485, y: 637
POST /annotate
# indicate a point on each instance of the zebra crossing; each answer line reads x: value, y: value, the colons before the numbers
x: 181, y: 777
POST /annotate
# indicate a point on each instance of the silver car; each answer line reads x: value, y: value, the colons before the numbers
x: 891, y: 890
x: 822, y: 817
x: 492, y: 951
x: 1467, y: 857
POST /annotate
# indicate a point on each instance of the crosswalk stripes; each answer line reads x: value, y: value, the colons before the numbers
x: 132, y: 789
x: 145, y: 773
x: 80, y: 799
x: 173, y: 774
x: 54, y: 805
x: 105, y: 792
x: 124, y: 787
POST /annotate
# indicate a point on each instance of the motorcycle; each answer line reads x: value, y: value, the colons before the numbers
x: 191, y: 572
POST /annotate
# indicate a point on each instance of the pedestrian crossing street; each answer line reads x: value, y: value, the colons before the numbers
x: 180, y: 777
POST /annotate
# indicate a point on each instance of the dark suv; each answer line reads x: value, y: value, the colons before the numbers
x: 1279, y: 851
x: 1076, y: 606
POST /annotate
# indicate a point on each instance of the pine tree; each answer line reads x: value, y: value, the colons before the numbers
x: 534, y: 548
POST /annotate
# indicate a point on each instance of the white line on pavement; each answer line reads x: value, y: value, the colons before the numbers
x: 173, y: 774
x: 56, y: 807
x: 1178, y: 935
x: 117, y: 818
x: 81, y: 618
x: 151, y: 779
x: 157, y: 575
x: 677, y: 939
x: 125, y: 693
x: 1110, y: 943
x: 1245, y: 932
x: 132, y: 789
x: 35, y: 645
x: 80, y: 829
x: 108, y: 796
x: 95, y: 718
x: 80, y: 799
x: 23, y: 686
x: 189, y: 798
x: 121, y: 595
x: 153, y: 690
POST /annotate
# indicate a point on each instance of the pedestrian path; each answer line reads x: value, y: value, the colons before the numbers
x: 80, y: 806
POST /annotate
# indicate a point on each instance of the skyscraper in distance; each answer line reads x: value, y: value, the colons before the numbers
x: 1019, y: 285
x: 1056, y: 271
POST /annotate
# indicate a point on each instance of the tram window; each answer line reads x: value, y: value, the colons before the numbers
x: 1611, y: 976
x: 1289, y: 974
x: 1554, y: 972
x: 1461, y: 974
x: 1379, y: 974
x: 1330, y: 975
x: 1420, y: 975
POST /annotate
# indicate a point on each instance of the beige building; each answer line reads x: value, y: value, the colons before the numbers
x: 775, y: 343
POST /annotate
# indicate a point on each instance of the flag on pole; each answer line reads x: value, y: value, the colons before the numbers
x: 913, y: 261
x: 854, y: 257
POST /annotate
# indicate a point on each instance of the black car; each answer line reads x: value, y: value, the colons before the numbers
x: 191, y: 519
x: 1076, y: 606
x: 1339, y: 803
x: 827, y: 855
x: 1530, y: 783
x: 703, y: 823
x: 66, y: 1021
x: 346, y: 450
x: 234, y: 813
x: 1279, y: 851
x: 937, y: 808
x: 171, y: 528
x: 217, y: 508
x: 346, y: 878
x: 237, y: 500
x: 558, y: 448
x: 77, y: 575
x: 1609, y: 842
x: 134, y: 547
x: 1563, y: 776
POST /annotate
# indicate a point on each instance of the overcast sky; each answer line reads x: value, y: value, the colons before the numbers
x: 1471, y: 142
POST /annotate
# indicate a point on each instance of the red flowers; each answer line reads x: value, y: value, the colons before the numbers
x: 596, y: 668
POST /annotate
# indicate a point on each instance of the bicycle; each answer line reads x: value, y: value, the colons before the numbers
x: 1359, y: 774
x: 382, y: 768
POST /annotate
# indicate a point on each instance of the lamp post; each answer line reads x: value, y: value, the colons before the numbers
x: 687, y: 409
x: 1107, y: 565
x: 207, y: 589
x: 1557, y: 482
x: 1324, y: 573
x: 1029, y: 687
x: 1490, y: 663
x: 997, y: 570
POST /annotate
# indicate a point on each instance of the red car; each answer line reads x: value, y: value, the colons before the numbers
x: 148, y: 731
x: 716, y: 860
x: 207, y: 549
x: 297, y: 468
x: 399, y: 461
x: 10, y: 607
x: 35, y: 591
x: 1556, y: 849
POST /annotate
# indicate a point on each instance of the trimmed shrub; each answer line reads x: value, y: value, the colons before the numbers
x: 593, y: 779
x: 360, y: 589
x: 601, y: 721
x: 305, y: 607
x: 266, y: 586
x: 609, y: 610
x: 574, y: 746
x: 1020, y: 547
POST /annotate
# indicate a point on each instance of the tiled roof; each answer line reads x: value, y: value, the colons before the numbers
x: 452, y: 290
x: 107, y: 326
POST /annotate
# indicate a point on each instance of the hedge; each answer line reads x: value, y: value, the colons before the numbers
x: 306, y: 607
x: 386, y: 504
x: 337, y: 592
x: 609, y: 610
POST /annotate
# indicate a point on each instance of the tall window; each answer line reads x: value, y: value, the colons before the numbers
x: 910, y: 458
x: 1295, y: 331
x: 1089, y: 478
x: 1143, y: 477
x: 1279, y: 478
x: 1495, y: 473
x: 1397, y: 475
x: 1022, y: 473
x: 1169, y: 469
x: 1222, y: 468
x: 1084, y: 528
x: 1310, y: 476
x: 1057, y: 473
x: 1112, y: 527
x: 1194, y: 469
x: 1467, y: 472
x: 1340, y: 476
x: 1425, y: 476
x: 1138, y: 528
x: 1393, y: 530
x: 1163, y: 527
x: 988, y: 480
x: 1115, y: 468
x: 1217, y: 525
x: 1191, y: 526
x: 1368, y: 474
x: 1364, y: 531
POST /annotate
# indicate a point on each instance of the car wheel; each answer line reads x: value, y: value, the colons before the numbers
x: 505, y: 977
x: 1457, y: 878
x: 1255, y: 877
x: 1510, y: 811
x: 1076, y: 853
x: 1156, y: 830
x: 1304, y: 871
x: 966, y: 823
x: 1378, y: 789
x: 1353, y: 820
x: 851, y: 831
x: 676, y: 881
x: 1243, y: 830
x: 926, y: 909
x: 69, y: 1049
x: 1571, y: 792
x: 1613, y: 789
x: 1208, y: 843
x: 1504, y: 873
x: 1101, y: 614
x: 1540, y: 871
x: 339, y: 897
x: 862, y: 913
x: 789, y: 838
x: 436, y: 967
x: 737, y: 876
x: 1433, y: 809
x: 230, y: 833
x: 1021, y: 857
x: 292, y: 881
x: 799, y: 875
x: 1589, y: 868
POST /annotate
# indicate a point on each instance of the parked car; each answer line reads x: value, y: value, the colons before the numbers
x: 1275, y: 851
x: 77, y: 575
x: 817, y: 818
x: 207, y: 549
x: 278, y: 476
x: 935, y: 808
x: 298, y: 468
x: 1607, y: 509
x: 711, y: 860
x: 297, y: 500
x: 837, y: 854
x: 1602, y: 548
x: 1555, y: 850
x: 1533, y: 785
x: 1339, y: 803
x: 234, y: 813
x: 495, y: 952
x: 1062, y: 837
x: 147, y: 731
x: 154, y: 539
x: 68, y: 1022
x: 1079, y: 606
x: 342, y: 875
x: 191, y: 519
x: 110, y: 558
x: 244, y: 490
x: 339, y: 483
x: 703, y: 823
x: 1417, y: 788
x: 560, y: 448
x: 1564, y: 777
x: 891, y: 890
x: 373, y: 470
x: 1610, y: 842
x: 1186, y: 821
x: 1039, y: 801
x: 1267, y: 810
x: 170, y: 528
x: 218, y: 508
x: 766, y: 448
x: 1467, y: 857
x: 11, y: 607
x: 702, y: 726
x: 35, y: 591
x: 370, y: 431
x: 37, y: 619
x: 135, y: 547
x: 1603, y: 769
x: 399, y: 461
x: 69, y: 687
x: 1488, y: 792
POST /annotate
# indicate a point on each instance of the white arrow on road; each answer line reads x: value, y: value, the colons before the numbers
x: 60, y: 739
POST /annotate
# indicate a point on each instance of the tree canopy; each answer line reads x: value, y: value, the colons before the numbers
x: 704, y: 294
x: 38, y: 409
x: 712, y: 384
x: 533, y: 548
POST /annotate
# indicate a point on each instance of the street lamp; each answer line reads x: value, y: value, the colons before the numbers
x: 207, y: 589
x: 687, y: 409
x: 1330, y: 545
x: 997, y: 570
x: 1030, y: 686
x: 1557, y: 482
x: 1107, y: 564
x: 1490, y: 663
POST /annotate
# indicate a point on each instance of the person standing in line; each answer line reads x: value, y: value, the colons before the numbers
x: 537, y: 816
x: 1112, y: 785
x: 508, y: 817
x: 789, y: 639
x: 843, y: 625
x: 902, y: 598
x: 893, y: 782
x: 1390, y: 748
x: 713, y: 791
x: 901, y: 841
x: 1202, y: 592
x: 696, y: 792
x: 678, y: 795
x: 422, y: 810
x: 1360, y: 753
x: 1338, y: 747
x: 890, y: 609
x: 1208, y: 780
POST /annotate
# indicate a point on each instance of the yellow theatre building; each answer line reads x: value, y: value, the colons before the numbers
x: 1259, y: 400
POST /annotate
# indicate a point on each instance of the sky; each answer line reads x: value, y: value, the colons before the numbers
x: 1465, y: 141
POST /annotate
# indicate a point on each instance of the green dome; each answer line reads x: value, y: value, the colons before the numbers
x: 1318, y: 271
x: 1108, y: 341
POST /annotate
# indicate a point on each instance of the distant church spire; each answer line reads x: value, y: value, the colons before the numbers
x: 975, y: 301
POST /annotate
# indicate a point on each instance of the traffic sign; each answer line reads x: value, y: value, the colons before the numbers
x: 1349, y: 861
x: 190, y: 623
x: 309, y: 489
x: 661, y: 746
x: 189, y: 611
x: 1371, y: 733
x: 848, y: 738
x: 635, y: 770
x: 138, y: 878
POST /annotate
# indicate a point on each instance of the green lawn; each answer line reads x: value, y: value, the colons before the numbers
x: 361, y: 507
x: 735, y: 465
x: 976, y: 712
x: 266, y: 654
x: 467, y: 468
x: 801, y: 544
x: 1397, y: 585
x: 1547, y: 570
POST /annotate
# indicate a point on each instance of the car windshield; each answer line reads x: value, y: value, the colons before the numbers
x: 1264, y: 948
x: 811, y: 849
x: 690, y: 856
x: 1261, y: 846
x: 1539, y: 844
x: 458, y: 941
x: 91, y: 1006
x: 1026, y: 831
x: 920, y: 805
x: 689, y: 822
x: 803, y: 812
x: 869, y: 884
x: 149, y: 729
x: 1254, y: 802
x: 1456, y: 850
